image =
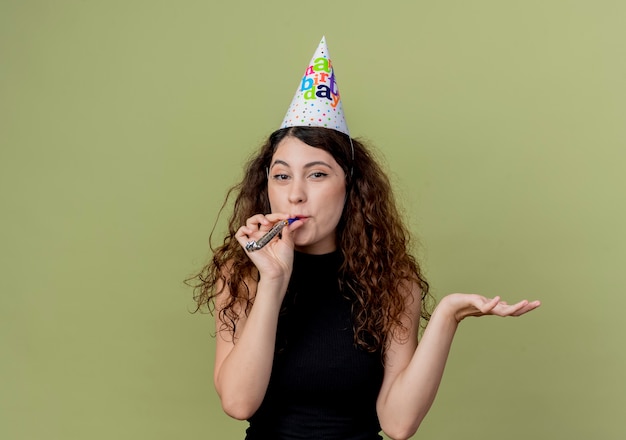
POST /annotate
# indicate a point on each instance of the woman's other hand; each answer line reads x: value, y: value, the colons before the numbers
x: 462, y: 305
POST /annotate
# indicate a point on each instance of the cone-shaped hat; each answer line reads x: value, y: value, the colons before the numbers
x: 317, y: 102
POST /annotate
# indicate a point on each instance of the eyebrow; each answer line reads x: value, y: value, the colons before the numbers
x: 308, y: 165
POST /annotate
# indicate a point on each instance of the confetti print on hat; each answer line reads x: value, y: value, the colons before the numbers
x: 317, y: 94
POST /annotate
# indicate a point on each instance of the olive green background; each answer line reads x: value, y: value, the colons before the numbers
x: 122, y: 124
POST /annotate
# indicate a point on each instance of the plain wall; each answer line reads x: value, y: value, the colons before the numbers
x: 123, y: 123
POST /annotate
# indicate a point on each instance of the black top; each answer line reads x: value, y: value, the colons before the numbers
x: 322, y: 385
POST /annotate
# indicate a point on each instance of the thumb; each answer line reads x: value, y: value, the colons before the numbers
x: 490, y: 305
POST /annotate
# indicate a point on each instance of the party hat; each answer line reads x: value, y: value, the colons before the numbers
x: 317, y: 102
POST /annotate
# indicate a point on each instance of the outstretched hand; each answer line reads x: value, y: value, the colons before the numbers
x: 462, y: 305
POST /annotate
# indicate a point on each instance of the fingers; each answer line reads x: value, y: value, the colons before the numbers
x: 257, y: 226
x: 516, y: 309
x: 490, y: 305
x: 263, y: 222
x: 496, y: 306
x: 253, y: 225
x: 527, y: 308
x: 513, y: 309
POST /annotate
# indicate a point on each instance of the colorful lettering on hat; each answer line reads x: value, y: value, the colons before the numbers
x: 317, y: 102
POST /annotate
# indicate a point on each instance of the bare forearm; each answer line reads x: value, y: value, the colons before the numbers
x: 411, y: 395
x: 404, y: 402
x: 243, y: 376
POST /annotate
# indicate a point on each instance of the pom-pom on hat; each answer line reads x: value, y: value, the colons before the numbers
x: 317, y: 102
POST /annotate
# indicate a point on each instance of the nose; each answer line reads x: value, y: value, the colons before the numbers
x: 297, y: 192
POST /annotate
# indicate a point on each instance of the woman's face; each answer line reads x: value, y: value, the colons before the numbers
x: 306, y: 182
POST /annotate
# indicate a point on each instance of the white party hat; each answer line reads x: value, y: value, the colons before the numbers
x: 317, y: 102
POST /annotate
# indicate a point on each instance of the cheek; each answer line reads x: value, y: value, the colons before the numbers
x: 272, y: 193
x: 339, y: 198
x: 272, y: 198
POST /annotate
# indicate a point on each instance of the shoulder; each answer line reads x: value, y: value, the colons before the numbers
x: 403, y: 339
x: 412, y: 294
x: 234, y: 293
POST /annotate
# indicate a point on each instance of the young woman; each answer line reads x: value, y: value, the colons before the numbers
x: 317, y: 332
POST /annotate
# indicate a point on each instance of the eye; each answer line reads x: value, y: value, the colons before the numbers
x: 280, y: 177
x: 318, y: 175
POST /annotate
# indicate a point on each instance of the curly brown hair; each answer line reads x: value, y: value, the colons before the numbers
x: 375, y: 276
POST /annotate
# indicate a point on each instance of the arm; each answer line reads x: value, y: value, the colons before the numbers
x: 413, y: 372
x: 243, y: 362
x: 242, y: 369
